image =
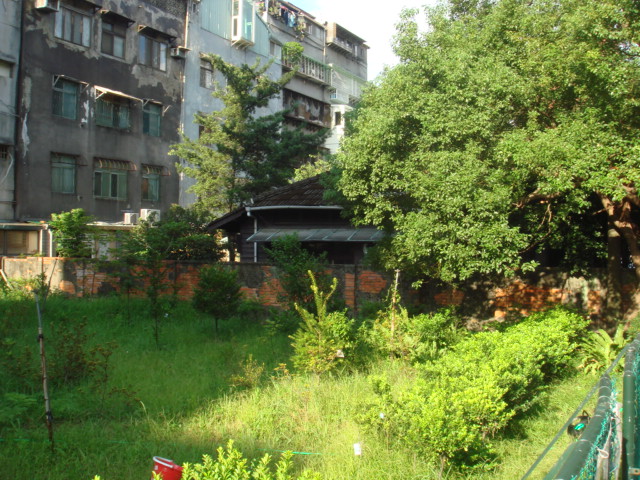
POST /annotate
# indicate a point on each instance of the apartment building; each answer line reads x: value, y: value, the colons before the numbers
x: 94, y: 93
x: 100, y: 107
x: 331, y: 73
x: 12, y: 240
x: 234, y: 30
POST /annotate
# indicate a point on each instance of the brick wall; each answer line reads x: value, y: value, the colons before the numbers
x: 356, y: 285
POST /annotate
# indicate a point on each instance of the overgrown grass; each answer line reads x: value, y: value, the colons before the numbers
x: 178, y: 401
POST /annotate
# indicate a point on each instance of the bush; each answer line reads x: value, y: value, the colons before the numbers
x: 473, y: 390
x: 417, y: 338
x: 325, y: 341
x: 231, y: 465
x: 217, y: 292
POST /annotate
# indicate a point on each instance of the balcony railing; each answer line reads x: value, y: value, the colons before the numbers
x: 309, y: 68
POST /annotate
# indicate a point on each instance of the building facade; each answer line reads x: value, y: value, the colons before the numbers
x: 12, y: 241
x: 94, y: 93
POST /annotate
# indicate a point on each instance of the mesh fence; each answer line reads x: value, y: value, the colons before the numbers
x: 607, y: 447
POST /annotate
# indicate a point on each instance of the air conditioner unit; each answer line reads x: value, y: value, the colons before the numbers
x: 150, y: 214
x: 48, y: 5
x: 179, y: 52
x: 130, y: 218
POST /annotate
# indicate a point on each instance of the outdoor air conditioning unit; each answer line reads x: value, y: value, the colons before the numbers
x: 48, y: 5
x: 150, y: 214
x: 179, y: 52
x: 130, y: 218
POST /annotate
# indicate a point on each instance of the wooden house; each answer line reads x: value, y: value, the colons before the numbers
x: 300, y: 209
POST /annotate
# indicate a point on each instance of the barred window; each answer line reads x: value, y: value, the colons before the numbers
x: 206, y: 74
x: 114, y: 113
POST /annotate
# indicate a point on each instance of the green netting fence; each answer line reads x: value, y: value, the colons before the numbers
x: 608, y: 447
x: 630, y: 399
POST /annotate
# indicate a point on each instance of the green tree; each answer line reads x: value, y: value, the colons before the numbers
x: 217, y: 293
x: 145, y: 253
x: 508, y: 127
x: 241, y: 153
x: 73, y: 233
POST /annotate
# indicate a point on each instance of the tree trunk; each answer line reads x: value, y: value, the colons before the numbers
x: 620, y: 219
x: 613, y: 302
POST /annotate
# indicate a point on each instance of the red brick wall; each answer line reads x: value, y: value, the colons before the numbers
x: 357, y: 285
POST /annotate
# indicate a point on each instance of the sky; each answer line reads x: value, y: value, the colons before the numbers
x: 372, y: 21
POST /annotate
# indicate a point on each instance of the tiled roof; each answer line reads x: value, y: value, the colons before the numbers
x: 308, y: 192
x: 305, y: 193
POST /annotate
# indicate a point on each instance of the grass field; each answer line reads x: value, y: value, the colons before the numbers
x: 197, y: 390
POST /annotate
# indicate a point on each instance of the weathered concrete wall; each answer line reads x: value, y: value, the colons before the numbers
x: 79, y: 135
x: 9, y: 58
x: 357, y: 285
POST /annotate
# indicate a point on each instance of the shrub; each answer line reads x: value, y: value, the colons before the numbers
x: 473, y: 390
x: 231, y: 465
x: 417, y: 338
x: 325, y: 341
x: 599, y: 349
x: 217, y: 292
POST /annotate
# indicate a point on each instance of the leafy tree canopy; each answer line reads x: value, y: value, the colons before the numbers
x: 181, y: 234
x: 509, y: 125
x: 243, y: 151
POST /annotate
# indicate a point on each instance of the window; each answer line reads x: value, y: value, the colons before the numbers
x: 151, y: 119
x: 113, y: 112
x: 6, y: 69
x: 110, y: 179
x: 65, y: 98
x: 242, y: 27
x: 4, y: 152
x: 206, y: 74
x: 113, y: 38
x: 151, y: 182
x: 73, y: 26
x: 63, y: 173
x: 18, y: 242
x: 152, y: 53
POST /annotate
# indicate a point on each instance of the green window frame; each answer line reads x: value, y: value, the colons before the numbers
x: 113, y: 113
x: 151, y: 182
x: 65, y: 98
x: 152, y: 119
x: 110, y: 179
x: 63, y: 173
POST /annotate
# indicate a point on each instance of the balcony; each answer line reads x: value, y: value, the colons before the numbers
x: 309, y: 68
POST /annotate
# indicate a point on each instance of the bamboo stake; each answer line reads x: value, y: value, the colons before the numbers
x: 43, y: 364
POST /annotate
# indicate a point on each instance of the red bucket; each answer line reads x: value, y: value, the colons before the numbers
x: 166, y: 469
